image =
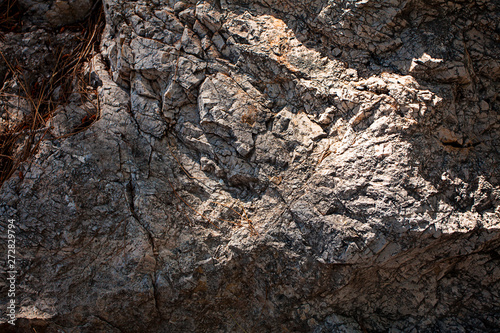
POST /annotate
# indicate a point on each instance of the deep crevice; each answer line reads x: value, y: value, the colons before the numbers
x: 131, y: 198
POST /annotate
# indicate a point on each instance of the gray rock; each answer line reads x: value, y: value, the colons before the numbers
x: 56, y: 12
x: 265, y: 166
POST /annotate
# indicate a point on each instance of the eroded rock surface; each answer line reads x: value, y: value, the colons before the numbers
x: 322, y: 166
x: 55, y: 13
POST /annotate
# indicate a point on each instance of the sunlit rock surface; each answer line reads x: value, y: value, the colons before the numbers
x: 270, y: 166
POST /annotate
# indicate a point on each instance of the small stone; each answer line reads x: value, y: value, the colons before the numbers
x: 179, y: 6
x: 484, y: 106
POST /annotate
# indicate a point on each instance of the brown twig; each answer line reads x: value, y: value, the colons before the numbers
x: 21, y: 141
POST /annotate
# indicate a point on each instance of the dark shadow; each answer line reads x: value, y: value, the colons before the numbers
x: 460, y: 41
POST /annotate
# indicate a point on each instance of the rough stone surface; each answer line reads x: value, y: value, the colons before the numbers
x: 271, y: 166
x: 54, y: 13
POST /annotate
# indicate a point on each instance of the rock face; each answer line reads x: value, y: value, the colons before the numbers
x: 54, y: 13
x: 270, y: 166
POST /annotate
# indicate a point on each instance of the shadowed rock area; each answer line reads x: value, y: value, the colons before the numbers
x: 260, y: 166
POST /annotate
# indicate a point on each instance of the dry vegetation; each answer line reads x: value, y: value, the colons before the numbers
x: 10, y: 18
x: 42, y: 94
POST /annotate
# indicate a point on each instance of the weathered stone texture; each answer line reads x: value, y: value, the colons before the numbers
x: 55, y: 13
x: 273, y: 166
